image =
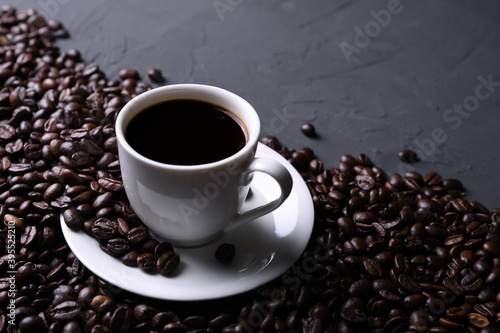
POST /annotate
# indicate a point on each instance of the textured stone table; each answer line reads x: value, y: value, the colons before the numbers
x: 372, y: 76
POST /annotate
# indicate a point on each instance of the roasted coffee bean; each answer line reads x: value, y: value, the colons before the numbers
x: 123, y: 226
x: 484, y: 310
x: 298, y: 164
x: 360, y: 288
x: 478, y: 320
x: 142, y: 312
x: 90, y: 147
x: 352, y: 311
x: 111, y: 184
x: 450, y: 325
x: 162, y: 248
x: 373, y: 268
x: 385, y: 259
x: 128, y: 73
x: 137, y: 235
x: 453, y: 184
x: 408, y: 156
x: 32, y: 324
x: 492, y: 248
x: 146, y: 261
x: 121, y: 320
x: 7, y: 132
x: 102, y: 304
x: 167, y: 263
x: 118, y: 246
x: 65, y: 311
x: 102, y: 200
x: 414, y: 301
x: 14, y: 201
x: 355, y: 246
x: 408, y: 283
x: 156, y: 76
x: 104, y: 229
x: 82, y: 198
x: 364, y: 217
x: 195, y: 322
x: 20, y: 189
x: 73, y: 219
x: 225, y: 253
x: 308, y: 129
x: 160, y: 319
x: 76, y: 190
x: 23, y: 311
x: 432, y: 178
x: 86, y: 295
x: 26, y: 274
x: 365, y: 182
x: 71, y: 326
x: 316, y: 166
x: 29, y: 236
x: 100, y: 328
x: 130, y: 258
x: 494, y: 277
x: 52, y: 192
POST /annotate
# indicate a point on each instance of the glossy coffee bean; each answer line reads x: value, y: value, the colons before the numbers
x: 225, y: 253
x: 137, y: 235
x: 104, y: 229
x: 308, y: 129
x: 162, y: 248
x: 146, y: 261
x: 167, y: 263
x: 408, y: 156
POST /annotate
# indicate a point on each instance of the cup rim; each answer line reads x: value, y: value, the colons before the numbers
x: 133, y: 104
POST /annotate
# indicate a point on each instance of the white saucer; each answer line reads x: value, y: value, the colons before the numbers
x: 265, y: 248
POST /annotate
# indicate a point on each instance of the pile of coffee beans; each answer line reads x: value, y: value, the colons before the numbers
x: 388, y: 253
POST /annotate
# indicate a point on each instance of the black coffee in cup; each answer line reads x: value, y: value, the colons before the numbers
x: 186, y: 132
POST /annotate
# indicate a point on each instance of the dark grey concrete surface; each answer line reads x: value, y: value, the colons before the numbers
x: 373, y: 76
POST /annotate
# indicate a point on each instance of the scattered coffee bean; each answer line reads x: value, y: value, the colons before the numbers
x: 225, y: 253
x: 408, y: 156
x: 156, y: 76
x: 309, y: 130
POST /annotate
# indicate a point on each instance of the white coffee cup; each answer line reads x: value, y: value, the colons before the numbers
x: 192, y: 205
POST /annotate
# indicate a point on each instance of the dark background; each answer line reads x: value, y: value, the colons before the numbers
x: 398, y: 89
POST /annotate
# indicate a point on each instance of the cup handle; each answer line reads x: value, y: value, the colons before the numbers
x: 281, y: 175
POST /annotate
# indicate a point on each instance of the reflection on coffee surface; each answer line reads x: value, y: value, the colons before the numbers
x: 186, y: 132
